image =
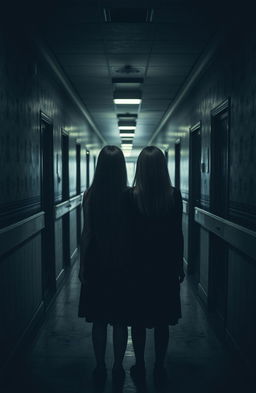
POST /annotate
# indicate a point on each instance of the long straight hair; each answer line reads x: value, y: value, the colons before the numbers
x: 103, y: 198
x: 153, y: 190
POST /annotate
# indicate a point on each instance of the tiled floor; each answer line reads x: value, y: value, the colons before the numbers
x: 62, y: 358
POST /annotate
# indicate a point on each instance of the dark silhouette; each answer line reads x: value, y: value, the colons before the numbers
x: 99, y: 266
x: 155, y: 262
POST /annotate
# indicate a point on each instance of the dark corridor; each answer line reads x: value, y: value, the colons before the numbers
x: 76, y: 76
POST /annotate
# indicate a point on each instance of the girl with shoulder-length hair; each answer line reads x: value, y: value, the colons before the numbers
x: 154, y: 216
x: 99, y: 257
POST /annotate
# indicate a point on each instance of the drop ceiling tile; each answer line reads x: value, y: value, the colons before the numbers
x: 177, y: 46
x: 117, y: 72
x: 182, y: 59
x: 168, y: 71
x: 82, y: 59
x: 148, y: 105
x: 124, y: 31
x: 135, y: 60
x: 77, y: 46
x: 96, y: 71
x: 75, y: 13
x: 124, y: 47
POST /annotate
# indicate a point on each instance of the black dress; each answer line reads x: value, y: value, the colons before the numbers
x: 103, y: 276
x: 154, y: 259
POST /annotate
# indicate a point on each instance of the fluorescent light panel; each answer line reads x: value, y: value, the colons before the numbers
x: 127, y: 101
x: 126, y: 135
x: 127, y: 127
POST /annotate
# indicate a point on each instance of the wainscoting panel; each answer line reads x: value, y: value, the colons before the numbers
x: 20, y: 293
x: 58, y: 248
x: 241, y: 316
x: 204, y: 265
x: 185, y: 230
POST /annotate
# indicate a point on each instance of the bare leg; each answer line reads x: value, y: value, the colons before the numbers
x: 99, y: 339
x: 120, y: 336
x: 139, y: 340
x: 161, y: 344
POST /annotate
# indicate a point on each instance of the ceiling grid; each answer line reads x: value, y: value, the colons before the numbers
x: 163, y: 52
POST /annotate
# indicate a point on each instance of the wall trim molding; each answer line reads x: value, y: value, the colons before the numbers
x: 74, y: 256
x: 59, y: 73
x: 193, y: 77
x: 236, y: 235
x: 65, y: 207
x: 60, y: 277
x: 202, y: 294
x: 15, y: 234
x: 185, y: 207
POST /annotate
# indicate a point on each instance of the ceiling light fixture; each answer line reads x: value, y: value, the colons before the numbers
x: 126, y: 135
x: 127, y: 101
x: 127, y: 97
x: 127, y: 116
x: 127, y: 128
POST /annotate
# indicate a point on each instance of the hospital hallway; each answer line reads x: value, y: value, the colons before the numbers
x: 77, y: 76
x: 61, y: 358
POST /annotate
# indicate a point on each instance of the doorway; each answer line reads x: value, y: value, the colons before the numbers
x: 194, y: 200
x: 47, y: 202
x: 78, y: 189
x: 219, y: 206
x: 65, y: 196
x: 87, y: 169
x: 177, y: 164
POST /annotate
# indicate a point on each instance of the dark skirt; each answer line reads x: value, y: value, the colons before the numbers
x: 153, y: 302
x: 101, y: 298
x: 147, y: 301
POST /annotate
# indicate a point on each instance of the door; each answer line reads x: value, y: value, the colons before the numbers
x: 177, y: 164
x: 87, y: 169
x: 194, y: 201
x: 47, y: 201
x: 65, y: 196
x: 219, y: 207
x: 78, y: 190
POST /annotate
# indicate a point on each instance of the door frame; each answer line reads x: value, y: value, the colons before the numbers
x: 65, y: 198
x: 49, y: 236
x: 177, y: 143
x: 87, y: 168
x: 197, y: 126
x: 224, y: 106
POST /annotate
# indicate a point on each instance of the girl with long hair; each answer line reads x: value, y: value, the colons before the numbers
x: 99, y: 258
x: 154, y: 229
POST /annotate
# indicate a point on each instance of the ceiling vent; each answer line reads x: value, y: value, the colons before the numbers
x: 128, y: 15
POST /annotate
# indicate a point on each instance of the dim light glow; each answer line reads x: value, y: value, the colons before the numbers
x: 126, y: 146
x: 127, y: 128
x: 126, y: 134
x: 127, y: 101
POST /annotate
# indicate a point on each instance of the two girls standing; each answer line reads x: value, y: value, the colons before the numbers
x: 131, y: 259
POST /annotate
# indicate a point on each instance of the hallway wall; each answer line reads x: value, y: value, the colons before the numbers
x: 29, y: 87
x: 230, y: 75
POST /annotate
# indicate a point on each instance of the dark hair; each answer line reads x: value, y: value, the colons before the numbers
x: 103, y: 198
x: 152, y: 184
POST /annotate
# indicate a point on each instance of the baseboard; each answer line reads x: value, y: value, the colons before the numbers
x: 22, y: 344
x: 202, y: 294
x: 185, y: 264
x: 60, y: 278
x: 74, y: 257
